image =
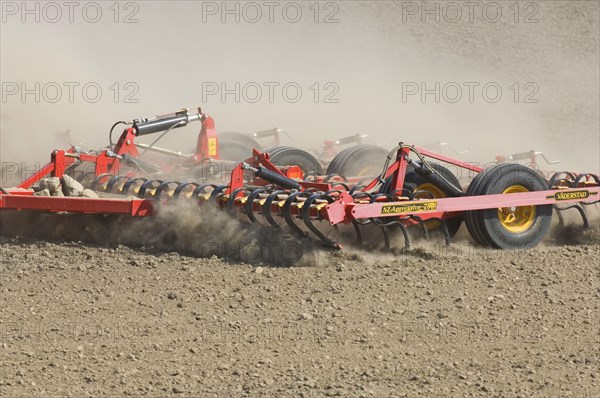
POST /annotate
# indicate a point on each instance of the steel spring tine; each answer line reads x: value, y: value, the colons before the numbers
x: 183, y: 186
x: 394, y: 221
x: 98, y: 180
x: 201, y: 188
x: 83, y: 176
x: 590, y: 203
x: 128, y: 184
x: 266, y: 207
x: 359, y: 236
x: 556, y: 176
x: 405, y: 235
x: 422, y: 225
x: 308, y: 222
x: 249, y: 207
x: 558, y: 207
x: 386, y: 239
x: 340, y: 184
x: 579, y: 208
x: 402, y: 191
x: 575, y: 184
x: 553, y: 179
x: 377, y: 221
x: 553, y: 184
x: 142, y: 192
x: 287, y: 213
x: 215, y: 193
x: 380, y: 223
x: 584, y: 216
x: 330, y: 176
x: 586, y: 177
x: 444, y: 225
x: 355, y: 188
x: 162, y: 186
x: 230, y: 205
x: 561, y: 220
x: 381, y: 195
x: 111, y: 183
x: 447, y: 237
x: 332, y: 191
x: 365, y: 221
x: 360, y: 194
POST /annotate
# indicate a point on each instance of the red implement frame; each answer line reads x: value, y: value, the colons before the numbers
x: 133, y: 207
x: 344, y: 209
x: 108, y: 161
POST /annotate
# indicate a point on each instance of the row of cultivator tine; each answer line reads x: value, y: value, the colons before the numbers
x: 566, y: 180
x: 297, y: 210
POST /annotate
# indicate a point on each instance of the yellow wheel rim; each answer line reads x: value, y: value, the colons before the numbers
x: 422, y: 193
x: 368, y: 170
x: 516, y: 219
x: 432, y: 189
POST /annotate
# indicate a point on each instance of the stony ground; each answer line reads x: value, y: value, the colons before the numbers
x: 148, y: 310
x: 79, y: 319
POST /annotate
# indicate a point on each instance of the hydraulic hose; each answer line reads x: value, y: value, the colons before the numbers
x: 424, y: 169
x: 110, y: 141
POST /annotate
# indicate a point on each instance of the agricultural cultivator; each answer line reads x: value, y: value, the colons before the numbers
x: 505, y: 206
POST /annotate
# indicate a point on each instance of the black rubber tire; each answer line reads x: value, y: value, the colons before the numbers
x: 236, y: 146
x: 412, y: 180
x: 485, y: 226
x: 440, y: 179
x: 473, y: 226
x: 234, y: 151
x: 240, y: 138
x: 289, y: 156
x: 350, y: 161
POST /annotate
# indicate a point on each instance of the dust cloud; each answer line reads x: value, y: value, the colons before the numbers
x: 369, y: 53
x: 182, y: 227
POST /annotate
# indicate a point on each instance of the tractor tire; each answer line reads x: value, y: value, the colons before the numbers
x: 234, y: 151
x: 424, y: 189
x: 509, y: 228
x: 241, y: 138
x: 236, y: 146
x: 289, y: 156
x: 358, y: 161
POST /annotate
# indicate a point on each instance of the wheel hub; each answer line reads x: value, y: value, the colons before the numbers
x: 516, y: 219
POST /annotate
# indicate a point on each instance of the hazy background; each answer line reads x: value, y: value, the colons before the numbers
x: 372, y: 49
